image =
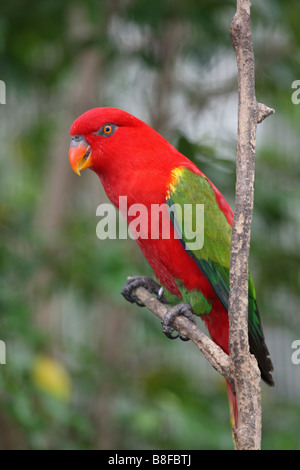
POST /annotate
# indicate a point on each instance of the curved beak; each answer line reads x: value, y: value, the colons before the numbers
x: 80, y: 155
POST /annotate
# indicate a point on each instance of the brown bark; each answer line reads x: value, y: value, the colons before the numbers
x: 245, y: 369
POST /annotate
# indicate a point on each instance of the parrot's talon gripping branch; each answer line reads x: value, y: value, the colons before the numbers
x: 180, y: 309
x: 186, y: 327
x: 141, y: 281
x: 170, y: 332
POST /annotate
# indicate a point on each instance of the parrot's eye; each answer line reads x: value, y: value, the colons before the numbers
x: 77, y: 137
x: 107, y: 130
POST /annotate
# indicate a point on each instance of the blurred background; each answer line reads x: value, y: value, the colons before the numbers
x: 84, y: 369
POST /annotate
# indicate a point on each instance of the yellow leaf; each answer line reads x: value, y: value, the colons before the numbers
x: 51, y: 377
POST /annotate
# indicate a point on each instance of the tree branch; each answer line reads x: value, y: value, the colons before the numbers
x: 213, y: 353
x: 263, y: 112
x: 246, y: 373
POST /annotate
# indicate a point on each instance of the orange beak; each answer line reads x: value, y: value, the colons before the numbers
x: 80, y: 156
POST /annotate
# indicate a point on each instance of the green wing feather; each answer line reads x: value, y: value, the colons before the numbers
x: 213, y: 258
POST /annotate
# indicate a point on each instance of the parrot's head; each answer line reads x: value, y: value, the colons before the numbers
x: 113, y: 143
x: 104, y: 137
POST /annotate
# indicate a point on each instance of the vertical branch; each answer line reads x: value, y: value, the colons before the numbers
x: 246, y: 372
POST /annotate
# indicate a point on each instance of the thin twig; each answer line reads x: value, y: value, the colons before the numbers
x: 263, y: 112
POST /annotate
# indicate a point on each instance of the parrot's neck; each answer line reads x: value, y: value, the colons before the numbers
x: 143, y: 177
x: 143, y: 186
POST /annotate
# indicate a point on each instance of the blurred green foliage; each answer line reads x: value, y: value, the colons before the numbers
x: 172, y: 64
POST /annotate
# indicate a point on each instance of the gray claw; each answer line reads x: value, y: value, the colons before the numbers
x: 181, y: 309
x: 160, y: 293
x: 140, y: 281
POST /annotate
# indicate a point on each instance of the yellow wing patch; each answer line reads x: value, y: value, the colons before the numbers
x: 175, y: 176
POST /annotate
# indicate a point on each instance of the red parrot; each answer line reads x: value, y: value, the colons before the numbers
x: 132, y: 160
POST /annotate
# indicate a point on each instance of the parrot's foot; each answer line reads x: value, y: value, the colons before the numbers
x: 142, y: 281
x: 180, y: 309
